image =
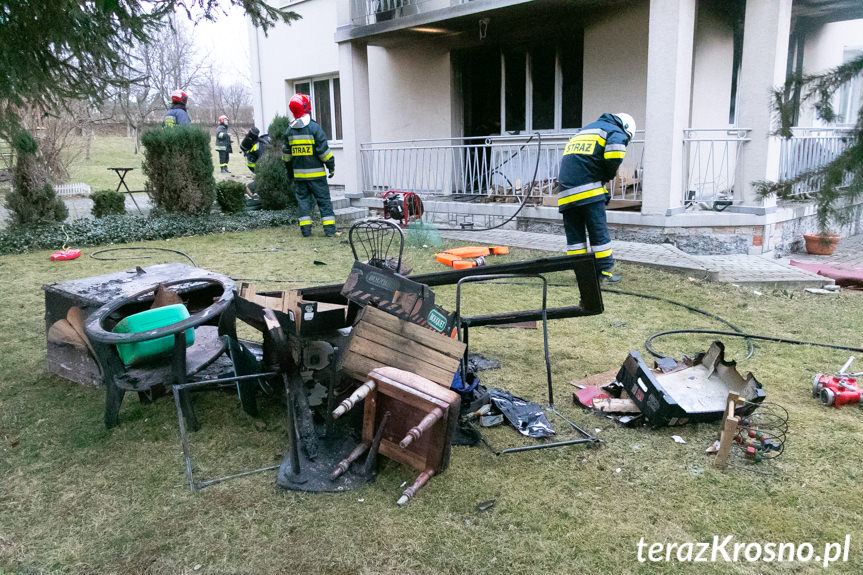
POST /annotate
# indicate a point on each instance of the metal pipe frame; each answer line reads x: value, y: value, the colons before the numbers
x: 187, y: 454
x: 583, y: 265
x: 463, y: 336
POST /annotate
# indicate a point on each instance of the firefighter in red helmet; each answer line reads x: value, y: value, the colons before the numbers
x: 223, y: 143
x: 177, y: 115
x: 306, y: 152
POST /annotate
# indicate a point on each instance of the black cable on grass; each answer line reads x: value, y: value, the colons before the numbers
x: 523, y: 201
x: 750, y: 348
x: 736, y: 333
x: 97, y: 252
x: 748, y: 336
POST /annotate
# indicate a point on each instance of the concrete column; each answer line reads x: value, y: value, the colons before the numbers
x: 356, y: 111
x: 766, y: 30
x: 669, y: 84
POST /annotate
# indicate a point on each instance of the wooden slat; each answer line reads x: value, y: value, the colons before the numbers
x: 446, y: 345
x: 394, y: 358
x: 288, y: 300
x: 406, y: 346
x: 397, y: 377
x: 359, y: 366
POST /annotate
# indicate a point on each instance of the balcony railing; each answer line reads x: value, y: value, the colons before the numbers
x: 365, y: 12
x: 809, y: 149
x: 498, y: 166
x: 711, y: 157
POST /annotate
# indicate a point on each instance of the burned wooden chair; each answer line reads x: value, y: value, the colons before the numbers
x: 180, y: 361
x: 376, y: 242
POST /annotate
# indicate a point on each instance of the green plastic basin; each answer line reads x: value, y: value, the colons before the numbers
x: 131, y: 353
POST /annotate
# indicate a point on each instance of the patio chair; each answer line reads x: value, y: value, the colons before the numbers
x: 215, y: 345
x: 376, y: 240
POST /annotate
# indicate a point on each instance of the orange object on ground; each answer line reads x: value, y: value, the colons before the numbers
x: 463, y: 264
x: 455, y: 257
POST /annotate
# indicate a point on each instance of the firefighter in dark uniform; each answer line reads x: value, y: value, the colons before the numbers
x: 223, y: 143
x: 177, y: 115
x: 590, y: 158
x: 306, y: 151
x: 253, y: 146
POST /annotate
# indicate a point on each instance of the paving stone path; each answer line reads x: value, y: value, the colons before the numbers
x: 739, y: 269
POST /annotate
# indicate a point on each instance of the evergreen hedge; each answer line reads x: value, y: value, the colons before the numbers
x: 179, y: 169
x: 277, y: 130
x: 272, y: 183
x: 230, y: 196
x: 108, y: 203
x: 132, y: 228
x: 32, y: 199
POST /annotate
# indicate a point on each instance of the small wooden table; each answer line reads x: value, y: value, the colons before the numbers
x: 121, y: 173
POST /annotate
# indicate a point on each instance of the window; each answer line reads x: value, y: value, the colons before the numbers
x: 851, y: 93
x: 542, y: 86
x: 325, y: 95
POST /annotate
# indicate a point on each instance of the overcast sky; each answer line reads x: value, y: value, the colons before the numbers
x: 227, y: 42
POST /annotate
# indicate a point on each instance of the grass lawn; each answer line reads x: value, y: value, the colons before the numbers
x: 76, y: 498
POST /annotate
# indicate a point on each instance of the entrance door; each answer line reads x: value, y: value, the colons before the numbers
x: 481, y: 91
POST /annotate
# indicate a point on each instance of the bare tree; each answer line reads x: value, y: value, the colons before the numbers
x: 153, y: 70
x: 177, y: 61
x: 209, y: 99
x: 140, y: 98
x: 238, y: 103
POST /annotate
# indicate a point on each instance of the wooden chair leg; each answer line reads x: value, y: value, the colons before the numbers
x: 113, y: 400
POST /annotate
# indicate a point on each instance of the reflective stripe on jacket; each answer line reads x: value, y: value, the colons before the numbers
x: 590, y: 158
x: 306, y: 149
x: 258, y: 149
x: 176, y: 116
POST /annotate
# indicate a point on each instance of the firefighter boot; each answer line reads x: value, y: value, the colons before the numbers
x: 329, y: 227
x: 306, y: 227
x: 608, y: 277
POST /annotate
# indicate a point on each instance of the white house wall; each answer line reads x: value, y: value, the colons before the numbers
x: 711, y: 71
x: 824, y: 49
x: 410, y: 92
x: 302, y: 50
x: 615, y: 63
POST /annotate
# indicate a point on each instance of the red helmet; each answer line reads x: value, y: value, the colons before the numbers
x: 223, y: 119
x: 300, y: 105
x: 179, y: 96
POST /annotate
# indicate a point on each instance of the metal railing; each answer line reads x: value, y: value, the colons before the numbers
x: 711, y: 157
x: 809, y: 149
x: 496, y: 166
x: 365, y: 12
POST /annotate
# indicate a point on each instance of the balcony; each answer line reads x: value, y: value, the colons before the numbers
x: 496, y: 168
x: 370, y: 18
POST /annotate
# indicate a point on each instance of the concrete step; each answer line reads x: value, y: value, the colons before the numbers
x: 345, y: 216
x: 340, y: 202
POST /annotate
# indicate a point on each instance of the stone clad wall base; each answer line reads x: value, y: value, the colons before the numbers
x: 779, y: 237
x: 697, y: 233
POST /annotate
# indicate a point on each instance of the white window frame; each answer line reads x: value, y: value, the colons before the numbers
x: 311, y: 82
x: 850, y: 95
x: 528, y: 103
